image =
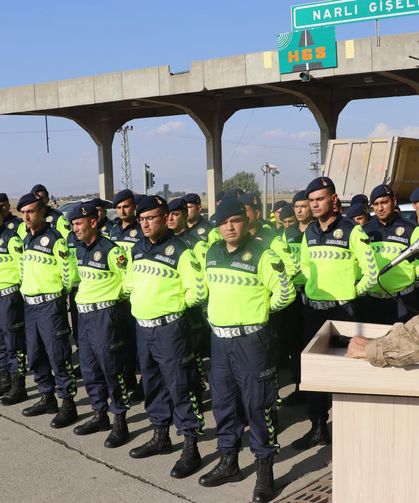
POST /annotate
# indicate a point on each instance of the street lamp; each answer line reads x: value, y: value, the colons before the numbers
x: 273, y: 170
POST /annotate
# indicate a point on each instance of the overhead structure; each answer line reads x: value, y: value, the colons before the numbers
x: 126, y: 174
x: 213, y: 90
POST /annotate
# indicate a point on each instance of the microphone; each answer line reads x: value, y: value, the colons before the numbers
x: 414, y: 248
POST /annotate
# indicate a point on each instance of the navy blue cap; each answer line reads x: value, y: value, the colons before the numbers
x: 322, y: 182
x: 356, y: 210
x: 219, y: 195
x: 29, y: 198
x: 414, y: 196
x: 287, y: 211
x: 151, y: 203
x: 83, y: 210
x: 234, y: 192
x: 40, y: 188
x: 228, y: 207
x: 279, y: 204
x: 381, y: 191
x: 359, y: 199
x: 178, y: 204
x: 3, y: 197
x: 192, y: 198
x: 299, y: 196
x: 251, y: 199
x: 138, y: 198
x: 97, y: 201
x: 122, y: 196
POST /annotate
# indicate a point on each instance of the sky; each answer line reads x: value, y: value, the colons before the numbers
x: 50, y: 40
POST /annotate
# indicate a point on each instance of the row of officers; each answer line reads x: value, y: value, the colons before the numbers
x: 158, y: 292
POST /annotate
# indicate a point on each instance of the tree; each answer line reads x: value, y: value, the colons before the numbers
x: 242, y: 180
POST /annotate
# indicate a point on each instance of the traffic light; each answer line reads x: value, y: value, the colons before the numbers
x: 150, y: 179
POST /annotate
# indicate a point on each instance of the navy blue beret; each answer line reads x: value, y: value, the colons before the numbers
x: 82, y: 210
x: 414, y: 196
x: 138, y: 198
x: 192, y: 198
x: 229, y: 206
x: 279, y: 204
x: 178, y: 204
x: 359, y: 199
x: 122, y: 196
x: 381, y: 191
x: 97, y: 201
x: 234, y: 192
x: 356, y: 210
x: 299, y: 196
x: 219, y: 195
x: 40, y: 188
x: 287, y: 211
x: 322, y: 182
x: 151, y: 203
x: 250, y: 199
x: 3, y: 197
x: 27, y: 199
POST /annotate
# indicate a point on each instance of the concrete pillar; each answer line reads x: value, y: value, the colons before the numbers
x: 102, y: 131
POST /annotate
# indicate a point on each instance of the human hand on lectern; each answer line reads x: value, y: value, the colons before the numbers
x: 356, y: 348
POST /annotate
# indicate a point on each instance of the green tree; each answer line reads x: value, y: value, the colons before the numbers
x: 242, y: 180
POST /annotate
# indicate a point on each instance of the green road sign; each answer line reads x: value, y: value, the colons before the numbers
x: 307, y: 50
x: 334, y: 12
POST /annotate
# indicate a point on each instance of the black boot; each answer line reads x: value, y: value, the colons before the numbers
x: 159, y: 444
x: 17, y: 392
x: 190, y: 459
x: 5, y: 383
x: 264, y: 488
x: 67, y: 414
x: 227, y: 470
x: 318, y: 435
x: 137, y: 395
x: 47, y: 405
x: 119, y: 434
x: 99, y: 422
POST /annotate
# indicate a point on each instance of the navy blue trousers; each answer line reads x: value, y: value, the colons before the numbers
x: 389, y: 311
x: 130, y: 339
x: 169, y: 375
x: 101, y: 344
x: 12, y: 335
x: 243, y: 385
x: 49, y: 349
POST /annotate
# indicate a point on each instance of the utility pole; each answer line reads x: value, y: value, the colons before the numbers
x: 126, y: 175
x: 315, y: 165
x: 273, y: 170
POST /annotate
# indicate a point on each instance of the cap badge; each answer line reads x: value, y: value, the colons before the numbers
x: 324, y: 183
x: 159, y: 201
x: 83, y: 211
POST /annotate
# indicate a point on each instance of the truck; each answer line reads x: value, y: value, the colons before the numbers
x: 357, y: 166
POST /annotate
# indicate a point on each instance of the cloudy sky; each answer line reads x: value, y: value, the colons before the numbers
x: 50, y: 40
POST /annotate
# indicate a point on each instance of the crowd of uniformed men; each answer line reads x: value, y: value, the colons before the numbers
x: 161, y: 288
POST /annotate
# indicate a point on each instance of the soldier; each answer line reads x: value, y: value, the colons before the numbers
x: 101, y: 265
x: 125, y: 234
x: 277, y: 208
x: 394, y: 298
x: 245, y: 282
x: 332, y: 247
x: 11, y: 221
x: 199, y: 227
x: 47, y: 275
x: 359, y: 214
x: 53, y: 217
x: 12, y: 330
x: 104, y: 225
x: 288, y: 216
x: 167, y: 270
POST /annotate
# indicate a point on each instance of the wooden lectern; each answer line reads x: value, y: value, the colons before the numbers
x: 375, y: 418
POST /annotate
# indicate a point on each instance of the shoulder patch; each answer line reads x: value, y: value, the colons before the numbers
x: 279, y: 267
x: 62, y: 254
x: 18, y: 249
x: 196, y: 266
x: 121, y: 261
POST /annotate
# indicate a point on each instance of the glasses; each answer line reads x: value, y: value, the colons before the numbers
x: 149, y: 218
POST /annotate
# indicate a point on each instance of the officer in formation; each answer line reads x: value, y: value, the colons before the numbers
x: 101, y: 265
x: 12, y: 330
x: 53, y: 217
x: 47, y: 277
x: 198, y: 225
x: 11, y: 221
x: 414, y: 199
x: 250, y: 279
x: 167, y: 270
x: 105, y: 224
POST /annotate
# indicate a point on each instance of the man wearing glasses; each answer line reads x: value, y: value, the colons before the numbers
x: 167, y: 270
